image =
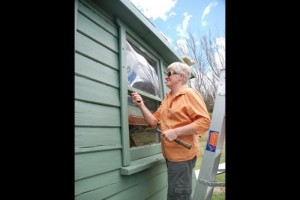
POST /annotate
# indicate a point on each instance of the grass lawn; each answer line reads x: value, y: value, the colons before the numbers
x: 219, y: 192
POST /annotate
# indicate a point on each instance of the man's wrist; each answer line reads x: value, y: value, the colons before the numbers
x: 176, y: 132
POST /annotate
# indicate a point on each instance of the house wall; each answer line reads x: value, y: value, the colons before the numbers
x: 98, y: 145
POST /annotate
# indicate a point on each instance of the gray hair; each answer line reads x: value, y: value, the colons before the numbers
x: 181, y: 68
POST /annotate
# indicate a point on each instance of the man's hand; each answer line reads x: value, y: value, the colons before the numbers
x: 170, y: 134
x: 136, y: 98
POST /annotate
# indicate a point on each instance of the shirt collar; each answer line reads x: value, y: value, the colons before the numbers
x: 181, y: 91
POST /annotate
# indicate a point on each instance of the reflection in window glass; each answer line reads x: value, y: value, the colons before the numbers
x: 139, y: 132
x: 143, y: 76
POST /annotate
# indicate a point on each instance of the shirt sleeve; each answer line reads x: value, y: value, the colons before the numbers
x: 156, y: 114
x: 197, y: 111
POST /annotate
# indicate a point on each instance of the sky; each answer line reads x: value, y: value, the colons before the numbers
x: 175, y: 18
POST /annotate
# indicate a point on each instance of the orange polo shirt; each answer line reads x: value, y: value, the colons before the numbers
x: 187, y: 107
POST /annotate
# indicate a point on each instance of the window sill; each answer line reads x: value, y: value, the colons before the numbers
x: 141, y: 164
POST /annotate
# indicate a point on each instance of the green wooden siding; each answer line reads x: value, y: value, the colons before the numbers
x: 96, y: 183
x: 118, y: 186
x: 144, y: 189
x: 91, y: 11
x: 93, y: 163
x: 94, y: 136
x: 87, y: 114
x: 90, y: 48
x: 87, y: 27
x: 97, y: 102
x: 98, y: 129
x: 95, y: 92
x: 96, y: 71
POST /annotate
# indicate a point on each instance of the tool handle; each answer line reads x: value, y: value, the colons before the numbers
x: 186, y: 145
x: 179, y: 141
x: 131, y: 88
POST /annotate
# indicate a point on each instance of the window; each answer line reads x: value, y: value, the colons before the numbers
x: 141, y: 70
x: 142, y: 76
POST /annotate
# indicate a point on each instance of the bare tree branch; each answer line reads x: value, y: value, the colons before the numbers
x: 209, y: 59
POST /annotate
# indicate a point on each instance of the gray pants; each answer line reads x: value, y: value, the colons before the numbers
x: 180, y: 176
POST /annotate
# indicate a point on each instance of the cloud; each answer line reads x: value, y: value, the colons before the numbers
x: 182, y: 28
x: 172, y: 14
x: 206, y: 12
x: 155, y: 8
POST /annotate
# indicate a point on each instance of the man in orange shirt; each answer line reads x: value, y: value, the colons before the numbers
x: 183, y: 115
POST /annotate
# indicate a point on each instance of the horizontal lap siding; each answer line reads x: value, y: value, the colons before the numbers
x: 95, y: 92
x: 93, y: 50
x: 93, y: 163
x: 94, y: 70
x: 96, y: 182
x: 88, y: 10
x: 94, y: 136
x: 143, y: 185
x: 89, y: 28
x: 87, y: 114
x: 98, y: 145
x: 96, y: 38
x: 144, y: 189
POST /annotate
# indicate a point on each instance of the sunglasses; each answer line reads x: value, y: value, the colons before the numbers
x: 170, y: 73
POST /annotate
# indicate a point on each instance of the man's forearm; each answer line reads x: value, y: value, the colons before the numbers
x: 184, y: 130
x: 148, y: 116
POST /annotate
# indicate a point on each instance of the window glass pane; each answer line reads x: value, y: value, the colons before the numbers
x: 141, y: 70
x: 139, y: 132
x: 142, y: 74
